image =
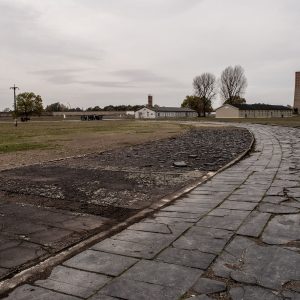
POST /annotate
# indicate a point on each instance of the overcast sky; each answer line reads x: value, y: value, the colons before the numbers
x: 100, y: 52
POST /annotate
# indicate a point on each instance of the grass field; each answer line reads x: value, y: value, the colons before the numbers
x: 39, y: 141
x: 290, y: 122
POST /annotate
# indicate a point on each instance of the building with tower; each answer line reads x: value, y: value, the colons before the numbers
x: 156, y: 112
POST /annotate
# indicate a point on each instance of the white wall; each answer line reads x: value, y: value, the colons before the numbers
x: 144, y: 113
x: 227, y: 111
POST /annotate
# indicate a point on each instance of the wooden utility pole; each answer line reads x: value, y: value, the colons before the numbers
x: 15, y: 103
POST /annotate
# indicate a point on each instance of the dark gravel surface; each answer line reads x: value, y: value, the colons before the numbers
x: 205, y: 149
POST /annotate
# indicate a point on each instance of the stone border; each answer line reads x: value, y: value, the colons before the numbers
x: 44, y: 267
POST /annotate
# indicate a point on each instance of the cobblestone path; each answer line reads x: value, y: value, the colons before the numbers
x: 235, y: 237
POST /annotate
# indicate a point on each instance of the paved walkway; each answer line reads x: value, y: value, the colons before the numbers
x: 235, y: 237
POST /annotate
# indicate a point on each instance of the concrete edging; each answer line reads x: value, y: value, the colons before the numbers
x: 44, y: 267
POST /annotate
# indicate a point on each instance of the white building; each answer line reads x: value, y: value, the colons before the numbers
x: 165, y: 112
x: 253, y: 111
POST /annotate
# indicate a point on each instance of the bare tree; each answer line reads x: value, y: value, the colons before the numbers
x: 205, y: 88
x: 233, y: 84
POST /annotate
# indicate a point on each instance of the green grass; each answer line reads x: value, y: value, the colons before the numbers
x: 47, y: 134
x: 6, y: 148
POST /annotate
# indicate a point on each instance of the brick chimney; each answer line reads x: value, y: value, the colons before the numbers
x: 150, y: 101
x: 297, y: 92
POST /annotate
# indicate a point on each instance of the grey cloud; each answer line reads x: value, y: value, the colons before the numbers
x: 140, y: 9
x: 60, y: 76
x: 108, y: 84
x: 140, y: 75
x: 25, y: 33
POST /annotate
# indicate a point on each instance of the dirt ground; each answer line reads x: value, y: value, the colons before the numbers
x: 49, y: 206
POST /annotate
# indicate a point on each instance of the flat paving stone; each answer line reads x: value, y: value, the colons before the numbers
x: 137, y: 290
x: 201, y: 297
x: 73, y: 282
x: 200, y: 211
x: 51, y: 236
x: 282, y: 230
x: 277, y: 209
x: 229, y: 259
x: 150, y: 227
x: 159, y: 227
x: 208, y: 240
x: 170, y: 221
x: 147, y: 238
x: 198, y: 204
x: 99, y: 296
x: 209, y: 286
x: 201, y: 201
x: 229, y: 219
x: 254, y: 224
x: 252, y: 293
x: 238, y: 205
x: 81, y: 223
x: 188, y: 258
x: 269, y: 267
x: 29, y: 292
x: 248, y: 198
x: 100, y: 262
x: 127, y: 248
x: 20, y: 254
x: 183, y: 215
x: 160, y: 273
x: 273, y: 199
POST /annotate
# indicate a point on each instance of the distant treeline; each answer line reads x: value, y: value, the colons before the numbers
x: 57, y: 107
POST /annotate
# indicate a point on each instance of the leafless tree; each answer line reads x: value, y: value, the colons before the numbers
x: 205, y: 88
x: 233, y: 84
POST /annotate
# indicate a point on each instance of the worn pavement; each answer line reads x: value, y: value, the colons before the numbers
x: 235, y: 237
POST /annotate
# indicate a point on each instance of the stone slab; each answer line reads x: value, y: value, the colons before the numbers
x: 147, y: 238
x: 99, y: 296
x: 100, y: 262
x: 137, y: 290
x: 182, y: 215
x: 160, y: 273
x: 254, y: 224
x: 252, y: 292
x: 200, y: 211
x: 127, y: 248
x: 209, y: 286
x: 208, y: 240
x: 282, y: 230
x: 29, y: 292
x: 229, y: 219
x: 277, y: 209
x: 201, y: 297
x: 188, y: 258
x: 159, y: 227
x: 20, y: 254
x: 73, y: 282
x: 238, y: 205
x: 245, y: 198
x: 269, y: 267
